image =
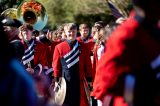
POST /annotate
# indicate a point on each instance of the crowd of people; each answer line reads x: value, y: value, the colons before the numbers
x: 118, y: 64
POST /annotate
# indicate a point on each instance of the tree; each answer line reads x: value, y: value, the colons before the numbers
x: 5, y: 4
x: 81, y: 11
x: 63, y: 11
x: 78, y: 11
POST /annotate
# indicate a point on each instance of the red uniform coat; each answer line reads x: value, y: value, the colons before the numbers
x: 89, y: 42
x: 129, y: 47
x: 90, y: 45
x: 40, y: 53
x: 50, y: 52
x: 95, y: 61
x: 84, y: 66
x: 39, y: 61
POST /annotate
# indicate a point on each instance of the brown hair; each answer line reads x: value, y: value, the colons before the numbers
x: 25, y: 27
x: 81, y: 26
x: 102, y: 35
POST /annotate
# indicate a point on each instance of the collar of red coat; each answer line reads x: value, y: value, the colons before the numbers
x: 25, y: 45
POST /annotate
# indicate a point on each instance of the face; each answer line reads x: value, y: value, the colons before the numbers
x: 27, y: 35
x: 84, y: 32
x: 103, y: 36
x: 11, y: 32
x: 71, y: 34
x: 63, y: 36
x: 96, y: 35
x: 54, y: 37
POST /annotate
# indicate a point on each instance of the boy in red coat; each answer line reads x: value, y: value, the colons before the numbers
x: 85, y: 37
x: 34, y: 58
x: 35, y: 52
x: 71, y: 61
x: 132, y: 45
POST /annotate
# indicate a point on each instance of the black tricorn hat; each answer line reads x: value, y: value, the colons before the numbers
x: 141, y: 3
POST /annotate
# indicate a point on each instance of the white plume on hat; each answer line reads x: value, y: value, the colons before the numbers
x: 120, y: 20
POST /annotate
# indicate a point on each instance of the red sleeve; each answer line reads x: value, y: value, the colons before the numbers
x: 43, y: 55
x: 90, y: 45
x: 56, y: 63
x: 49, y: 56
x: 50, y: 53
x: 113, y: 62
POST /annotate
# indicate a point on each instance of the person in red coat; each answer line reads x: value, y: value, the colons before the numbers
x: 99, y: 48
x: 84, y: 32
x: 71, y: 61
x: 133, y: 45
x: 85, y: 37
x: 35, y: 52
x: 50, y: 47
x: 34, y: 58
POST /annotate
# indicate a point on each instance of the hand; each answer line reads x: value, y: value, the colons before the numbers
x: 48, y: 35
x: 30, y: 70
x: 96, y: 36
x: 51, y: 88
x: 140, y: 12
x: 90, y: 85
x: 56, y: 86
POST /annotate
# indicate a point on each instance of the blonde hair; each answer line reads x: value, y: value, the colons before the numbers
x: 70, y: 26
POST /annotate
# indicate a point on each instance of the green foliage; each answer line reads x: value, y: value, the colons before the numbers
x: 90, y: 19
x: 5, y: 4
x: 78, y: 11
